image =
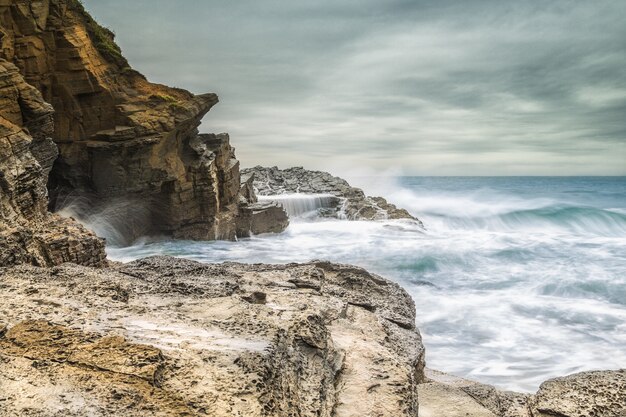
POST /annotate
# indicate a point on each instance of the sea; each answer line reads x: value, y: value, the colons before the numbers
x: 515, y: 279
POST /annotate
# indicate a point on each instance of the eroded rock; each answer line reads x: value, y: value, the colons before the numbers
x: 128, y: 149
x: 340, y: 198
x: 165, y: 336
x: 28, y: 233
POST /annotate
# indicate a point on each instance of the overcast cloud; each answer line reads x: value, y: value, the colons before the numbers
x: 440, y: 87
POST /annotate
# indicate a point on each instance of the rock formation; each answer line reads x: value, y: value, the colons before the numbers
x: 28, y: 233
x: 598, y: 394
x: 350, y: 202
x: 126, y: 146
x: 171, y: 337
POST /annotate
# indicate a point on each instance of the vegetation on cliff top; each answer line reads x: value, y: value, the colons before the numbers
x: 102, y: 37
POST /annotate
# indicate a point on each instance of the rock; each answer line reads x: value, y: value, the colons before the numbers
x: 262, y: 217
x: 348, y: 201
x: 314, y: 339
x: 128, y: 149
x: 598, y: 393
x: 28, y: 233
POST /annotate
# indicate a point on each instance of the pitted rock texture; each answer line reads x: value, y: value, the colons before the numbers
x: 28, y: 233
x: 125, y: 145
x: 586, y: 394
x: 598, y: 394
x: 171, y: 337
x: 351, y: 202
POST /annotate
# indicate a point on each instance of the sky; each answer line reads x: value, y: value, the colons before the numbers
x: 411, y: 87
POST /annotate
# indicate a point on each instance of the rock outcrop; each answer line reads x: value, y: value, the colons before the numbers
x: 171, y: 337
x: 598, y: 394
x: 126, y: 146
x: 341, y: 198
x: 28, y: 233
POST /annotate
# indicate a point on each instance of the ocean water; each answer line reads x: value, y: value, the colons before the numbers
x: 516, y: 279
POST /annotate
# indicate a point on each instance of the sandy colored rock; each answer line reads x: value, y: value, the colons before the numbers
x: 598, y: 394
x: 164, y: 336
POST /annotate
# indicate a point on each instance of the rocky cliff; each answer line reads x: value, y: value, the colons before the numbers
x: 126, y: 146
x: 28, y: 233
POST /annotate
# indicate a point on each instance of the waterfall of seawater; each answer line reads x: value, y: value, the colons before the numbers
x: 303, y: 205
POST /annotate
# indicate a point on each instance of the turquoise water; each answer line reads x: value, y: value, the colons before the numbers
x: 516, y: 279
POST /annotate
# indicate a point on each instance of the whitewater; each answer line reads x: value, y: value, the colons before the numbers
x: 515, y: 279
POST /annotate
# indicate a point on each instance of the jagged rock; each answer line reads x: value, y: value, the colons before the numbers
x: 262, y: 217
x: 350, y: 202
x: 127, y: 146
x: 165, y: 336
x: 28, y: 233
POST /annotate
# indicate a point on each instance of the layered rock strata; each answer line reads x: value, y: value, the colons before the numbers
x: 171, y: 337
x: 349, y: 202
x: 127, y: 147
x: 28, y: 233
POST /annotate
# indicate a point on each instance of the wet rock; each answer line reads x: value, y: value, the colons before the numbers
x: 28, y: 233
x: 127, y: 148
x: 349, y: 201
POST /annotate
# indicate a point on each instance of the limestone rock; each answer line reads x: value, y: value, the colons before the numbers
x: 350, y: 202
x: 165, y: 336
x: 28, y: 233
x: 599, y: 394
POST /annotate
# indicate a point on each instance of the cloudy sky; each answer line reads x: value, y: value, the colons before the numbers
x: 485, y: 87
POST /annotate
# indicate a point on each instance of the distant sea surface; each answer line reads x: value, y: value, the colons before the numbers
x: 516, y: 279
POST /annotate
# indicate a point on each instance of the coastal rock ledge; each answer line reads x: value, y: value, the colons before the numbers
x: 339, y: 199
x: 164, y: 336
x: 170, y: 337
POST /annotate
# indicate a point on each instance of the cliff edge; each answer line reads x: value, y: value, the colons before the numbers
x: 126, y: 146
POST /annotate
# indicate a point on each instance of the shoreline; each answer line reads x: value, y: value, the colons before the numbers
x: 166, y: 323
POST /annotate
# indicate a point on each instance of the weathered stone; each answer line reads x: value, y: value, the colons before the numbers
x: 351, y: 202
x: 166, y: 336
x: 28, y: 233
x: 598, y: 394
x: 261, y: 217
x: 122, y: 140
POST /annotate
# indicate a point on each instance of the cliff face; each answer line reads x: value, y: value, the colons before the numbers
x: 123, y: 142
x: 28, y: 233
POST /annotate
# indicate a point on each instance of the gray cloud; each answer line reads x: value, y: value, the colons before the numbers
x: 437, y: 88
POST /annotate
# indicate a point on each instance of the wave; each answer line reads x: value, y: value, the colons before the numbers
x: 495, y: 210
x: 579, y: 220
